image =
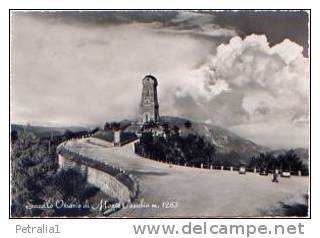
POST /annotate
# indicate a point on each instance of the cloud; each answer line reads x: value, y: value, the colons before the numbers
x: 197, y: 24
x: 73, y: 74
x: 273, y: 81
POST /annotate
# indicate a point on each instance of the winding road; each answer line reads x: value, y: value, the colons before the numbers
x: 177, y: 191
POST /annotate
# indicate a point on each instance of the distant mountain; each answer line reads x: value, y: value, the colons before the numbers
x: 43, y: 131
x: 230, y: 146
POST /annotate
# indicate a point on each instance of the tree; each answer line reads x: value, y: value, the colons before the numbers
x: 95, y: 130
x: 176, y: 130
x: 292, y: 162
x: 188, y: 124
x: 25, y: 155
x: 68, y: 134
x: 286, y: 161
x: 35, y: 179
x: 14, y: 136
x: 115, y: 125
x: 191, y: 149
x: 107, y: 126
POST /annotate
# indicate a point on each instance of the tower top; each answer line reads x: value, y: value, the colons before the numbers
x: 150, y: 77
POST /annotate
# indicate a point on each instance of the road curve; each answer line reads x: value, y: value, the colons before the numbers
x: 177, y: 191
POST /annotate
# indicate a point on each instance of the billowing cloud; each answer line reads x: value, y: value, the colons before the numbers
x: 248, y: 85
x: 273, y: 80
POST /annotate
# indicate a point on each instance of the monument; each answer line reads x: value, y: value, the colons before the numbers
x: 149, y: 106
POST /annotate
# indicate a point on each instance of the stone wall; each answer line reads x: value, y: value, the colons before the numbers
x: 66, y: 164
x: 109, y: 185
x: 112, y: 181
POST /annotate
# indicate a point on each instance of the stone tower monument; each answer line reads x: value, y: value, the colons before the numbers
x: 149, y: 106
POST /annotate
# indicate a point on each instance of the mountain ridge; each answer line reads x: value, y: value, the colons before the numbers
x: 230, y: 146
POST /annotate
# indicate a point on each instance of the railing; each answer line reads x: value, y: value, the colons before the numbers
x: 121, y: 175
x: 139, y: 151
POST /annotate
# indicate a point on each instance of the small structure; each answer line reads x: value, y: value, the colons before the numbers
x: 117, y: 138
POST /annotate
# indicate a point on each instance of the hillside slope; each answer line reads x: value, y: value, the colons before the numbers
x: 230, y: 147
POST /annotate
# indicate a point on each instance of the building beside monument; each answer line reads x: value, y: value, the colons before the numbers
x: 149, y: 105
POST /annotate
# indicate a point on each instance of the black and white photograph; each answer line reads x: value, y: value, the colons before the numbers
x: 160, y: 114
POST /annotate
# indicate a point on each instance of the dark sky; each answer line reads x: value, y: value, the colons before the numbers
x: 276, y: 25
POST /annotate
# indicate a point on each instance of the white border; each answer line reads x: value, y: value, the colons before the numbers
x: 122, y: 227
